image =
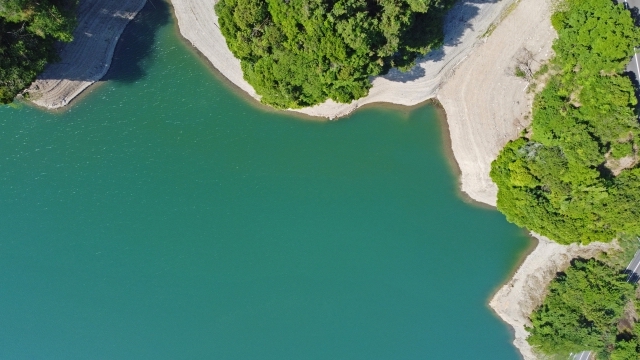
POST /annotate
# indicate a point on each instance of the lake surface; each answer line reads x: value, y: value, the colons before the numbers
x: 165, y: 217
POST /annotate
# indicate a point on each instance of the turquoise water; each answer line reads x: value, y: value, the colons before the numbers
x: 165, y: 217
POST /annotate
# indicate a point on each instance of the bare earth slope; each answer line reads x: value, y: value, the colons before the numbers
x: 486, y: 104
x: 87, y: 58
x: 465, y: 23
x: 199, y: 24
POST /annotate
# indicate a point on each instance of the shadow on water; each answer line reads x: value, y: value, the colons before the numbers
x: 133, y: 54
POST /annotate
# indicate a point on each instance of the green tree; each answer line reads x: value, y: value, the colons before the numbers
x: 582, y: 311
x: 28, y: 32
x: 298, y: 53
x: 555, y: 182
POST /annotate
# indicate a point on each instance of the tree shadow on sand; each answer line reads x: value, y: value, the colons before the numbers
x: 456, y: 22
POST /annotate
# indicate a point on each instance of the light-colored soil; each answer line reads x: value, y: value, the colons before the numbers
x: 465, y: 24
x: 617, y: 165
x: 526, y: 290
x: 87, y: 58
x: 198, y: 24
x: 486, y: 104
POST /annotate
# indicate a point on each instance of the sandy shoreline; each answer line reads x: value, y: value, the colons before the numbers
x: 526, y: 290
x: 486, y: 104
x: 87, y: 58
x: 465, y: 25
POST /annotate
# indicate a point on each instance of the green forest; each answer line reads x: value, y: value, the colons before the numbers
x: 588, y: 307
x: 298, y: 53
x: 557, y: 179
x: 28, y: 32
x: 563, y: 179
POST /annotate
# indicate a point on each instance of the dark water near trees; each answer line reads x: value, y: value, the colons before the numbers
x: 164, y: 217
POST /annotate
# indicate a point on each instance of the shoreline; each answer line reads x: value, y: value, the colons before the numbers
x: 486, y: 104
x: 470, y: 28
x: 86, y: 59
x: 447, y: 152
x: 465, y: 24
x: 526, y: 289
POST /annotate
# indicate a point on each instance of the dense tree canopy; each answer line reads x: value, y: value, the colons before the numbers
x: 555, y: 181
x: 299, y: 53
x: 583, y: 311
x: 28, y: 31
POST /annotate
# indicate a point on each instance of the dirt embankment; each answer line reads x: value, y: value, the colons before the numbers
x: 87, y: 58
x: 486, y: 103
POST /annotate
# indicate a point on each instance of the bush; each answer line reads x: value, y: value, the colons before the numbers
x: 620, y: 150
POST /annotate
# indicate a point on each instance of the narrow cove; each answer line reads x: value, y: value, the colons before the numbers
x: 163, y: 216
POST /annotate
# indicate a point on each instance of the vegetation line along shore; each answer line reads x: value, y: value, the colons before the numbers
x: 299, y: 53
x: 572, y: 177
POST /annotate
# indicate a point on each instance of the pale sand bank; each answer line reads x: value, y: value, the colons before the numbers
x: 465, y: 24
x: 526, y: 290
x: 198, y: 24
x: 87, y: 58
x: 486, y: 104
